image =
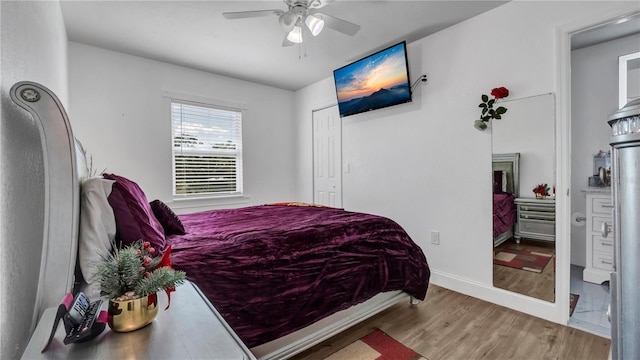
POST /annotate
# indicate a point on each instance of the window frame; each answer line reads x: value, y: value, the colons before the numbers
x: 239, y: 168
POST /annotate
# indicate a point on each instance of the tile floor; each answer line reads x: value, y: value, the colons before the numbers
x: 591, y: 311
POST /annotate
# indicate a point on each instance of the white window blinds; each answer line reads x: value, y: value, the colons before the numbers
x: 207, y: 150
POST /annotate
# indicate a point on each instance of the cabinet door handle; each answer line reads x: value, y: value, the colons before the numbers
x: 606, y: 229
x: 606, y: 243
x: 607, y: 206
x: 607, y: 262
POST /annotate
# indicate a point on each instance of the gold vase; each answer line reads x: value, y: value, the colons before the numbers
x: 130, y: 315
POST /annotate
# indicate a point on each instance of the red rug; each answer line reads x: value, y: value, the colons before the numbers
x: 522, y: 259
x: 375, y: 346
x: 573, y: 301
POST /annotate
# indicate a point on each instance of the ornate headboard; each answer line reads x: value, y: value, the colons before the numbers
x: 509, y: 166
x: 61, y: 193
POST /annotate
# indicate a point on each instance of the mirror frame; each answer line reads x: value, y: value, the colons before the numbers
x: 623, y: 69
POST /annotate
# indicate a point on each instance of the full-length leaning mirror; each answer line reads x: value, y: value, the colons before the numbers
x: 523, y: 145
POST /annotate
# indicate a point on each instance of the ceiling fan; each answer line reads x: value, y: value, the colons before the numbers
x: 299, y: 13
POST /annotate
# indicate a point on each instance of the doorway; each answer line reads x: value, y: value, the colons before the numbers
x: 327, y: 157
x: 594, y: 73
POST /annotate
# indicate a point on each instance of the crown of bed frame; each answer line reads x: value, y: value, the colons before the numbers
x: 61, y: 193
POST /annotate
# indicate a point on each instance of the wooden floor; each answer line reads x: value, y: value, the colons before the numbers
x: 537, y: 285
x: 449, y: 325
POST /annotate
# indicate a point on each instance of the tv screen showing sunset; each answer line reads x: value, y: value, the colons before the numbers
x: 379, y: 80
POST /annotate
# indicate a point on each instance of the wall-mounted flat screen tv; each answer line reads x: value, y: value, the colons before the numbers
x: 376, y: 81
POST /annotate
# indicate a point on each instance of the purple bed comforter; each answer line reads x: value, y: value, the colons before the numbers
x: 271, y: 270
x: 504, y: 213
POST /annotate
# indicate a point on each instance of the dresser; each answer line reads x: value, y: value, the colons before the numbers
x: 536, y: 219
x: 190, y: 329
x: 599, y: 237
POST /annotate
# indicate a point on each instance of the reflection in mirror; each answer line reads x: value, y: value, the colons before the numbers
x: 523, y: 145
x: 506, y: 178
x: 629, y: 68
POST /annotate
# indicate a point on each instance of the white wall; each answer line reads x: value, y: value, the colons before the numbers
x: 119, y: 112
x: 594, y: 96
x: 423, y: 164
x: 34, y: 43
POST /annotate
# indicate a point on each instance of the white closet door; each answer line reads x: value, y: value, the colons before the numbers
x: 327, y: 157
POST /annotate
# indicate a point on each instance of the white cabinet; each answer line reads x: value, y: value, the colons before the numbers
x: 536, y: 219
x: 599, y: 238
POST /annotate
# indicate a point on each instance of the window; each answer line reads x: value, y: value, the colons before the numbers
x: 207, y: 150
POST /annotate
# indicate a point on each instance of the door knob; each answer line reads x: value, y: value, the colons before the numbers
x: 606, y: 229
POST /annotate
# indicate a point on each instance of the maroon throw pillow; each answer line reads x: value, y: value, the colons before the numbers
x: 167, y: 218
x: 134, y: 217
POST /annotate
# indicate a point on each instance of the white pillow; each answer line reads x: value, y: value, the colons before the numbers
x: 97, y: 231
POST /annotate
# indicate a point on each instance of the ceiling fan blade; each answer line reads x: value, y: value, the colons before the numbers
x: 340, y: 25
x: 251, y: 14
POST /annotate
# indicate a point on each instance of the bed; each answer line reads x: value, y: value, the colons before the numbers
x: 337, y: 268
x: 505, y: 190
x: 309, y: 261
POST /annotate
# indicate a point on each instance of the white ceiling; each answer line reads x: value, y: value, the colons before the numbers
x: 196, y: 35
x: 605, y: 32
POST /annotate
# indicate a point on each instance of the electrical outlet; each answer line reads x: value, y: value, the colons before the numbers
x: 435, y: 238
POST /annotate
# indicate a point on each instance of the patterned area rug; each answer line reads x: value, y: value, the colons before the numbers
x: 573, y: 301
x: 375, y: 346
x: 522, y: 259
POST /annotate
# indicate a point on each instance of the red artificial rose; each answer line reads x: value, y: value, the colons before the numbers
x: 500, y: 92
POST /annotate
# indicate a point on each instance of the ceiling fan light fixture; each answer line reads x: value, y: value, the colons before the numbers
x: 314, y: 24
x: 295, y: 36
x: 288, y: 21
